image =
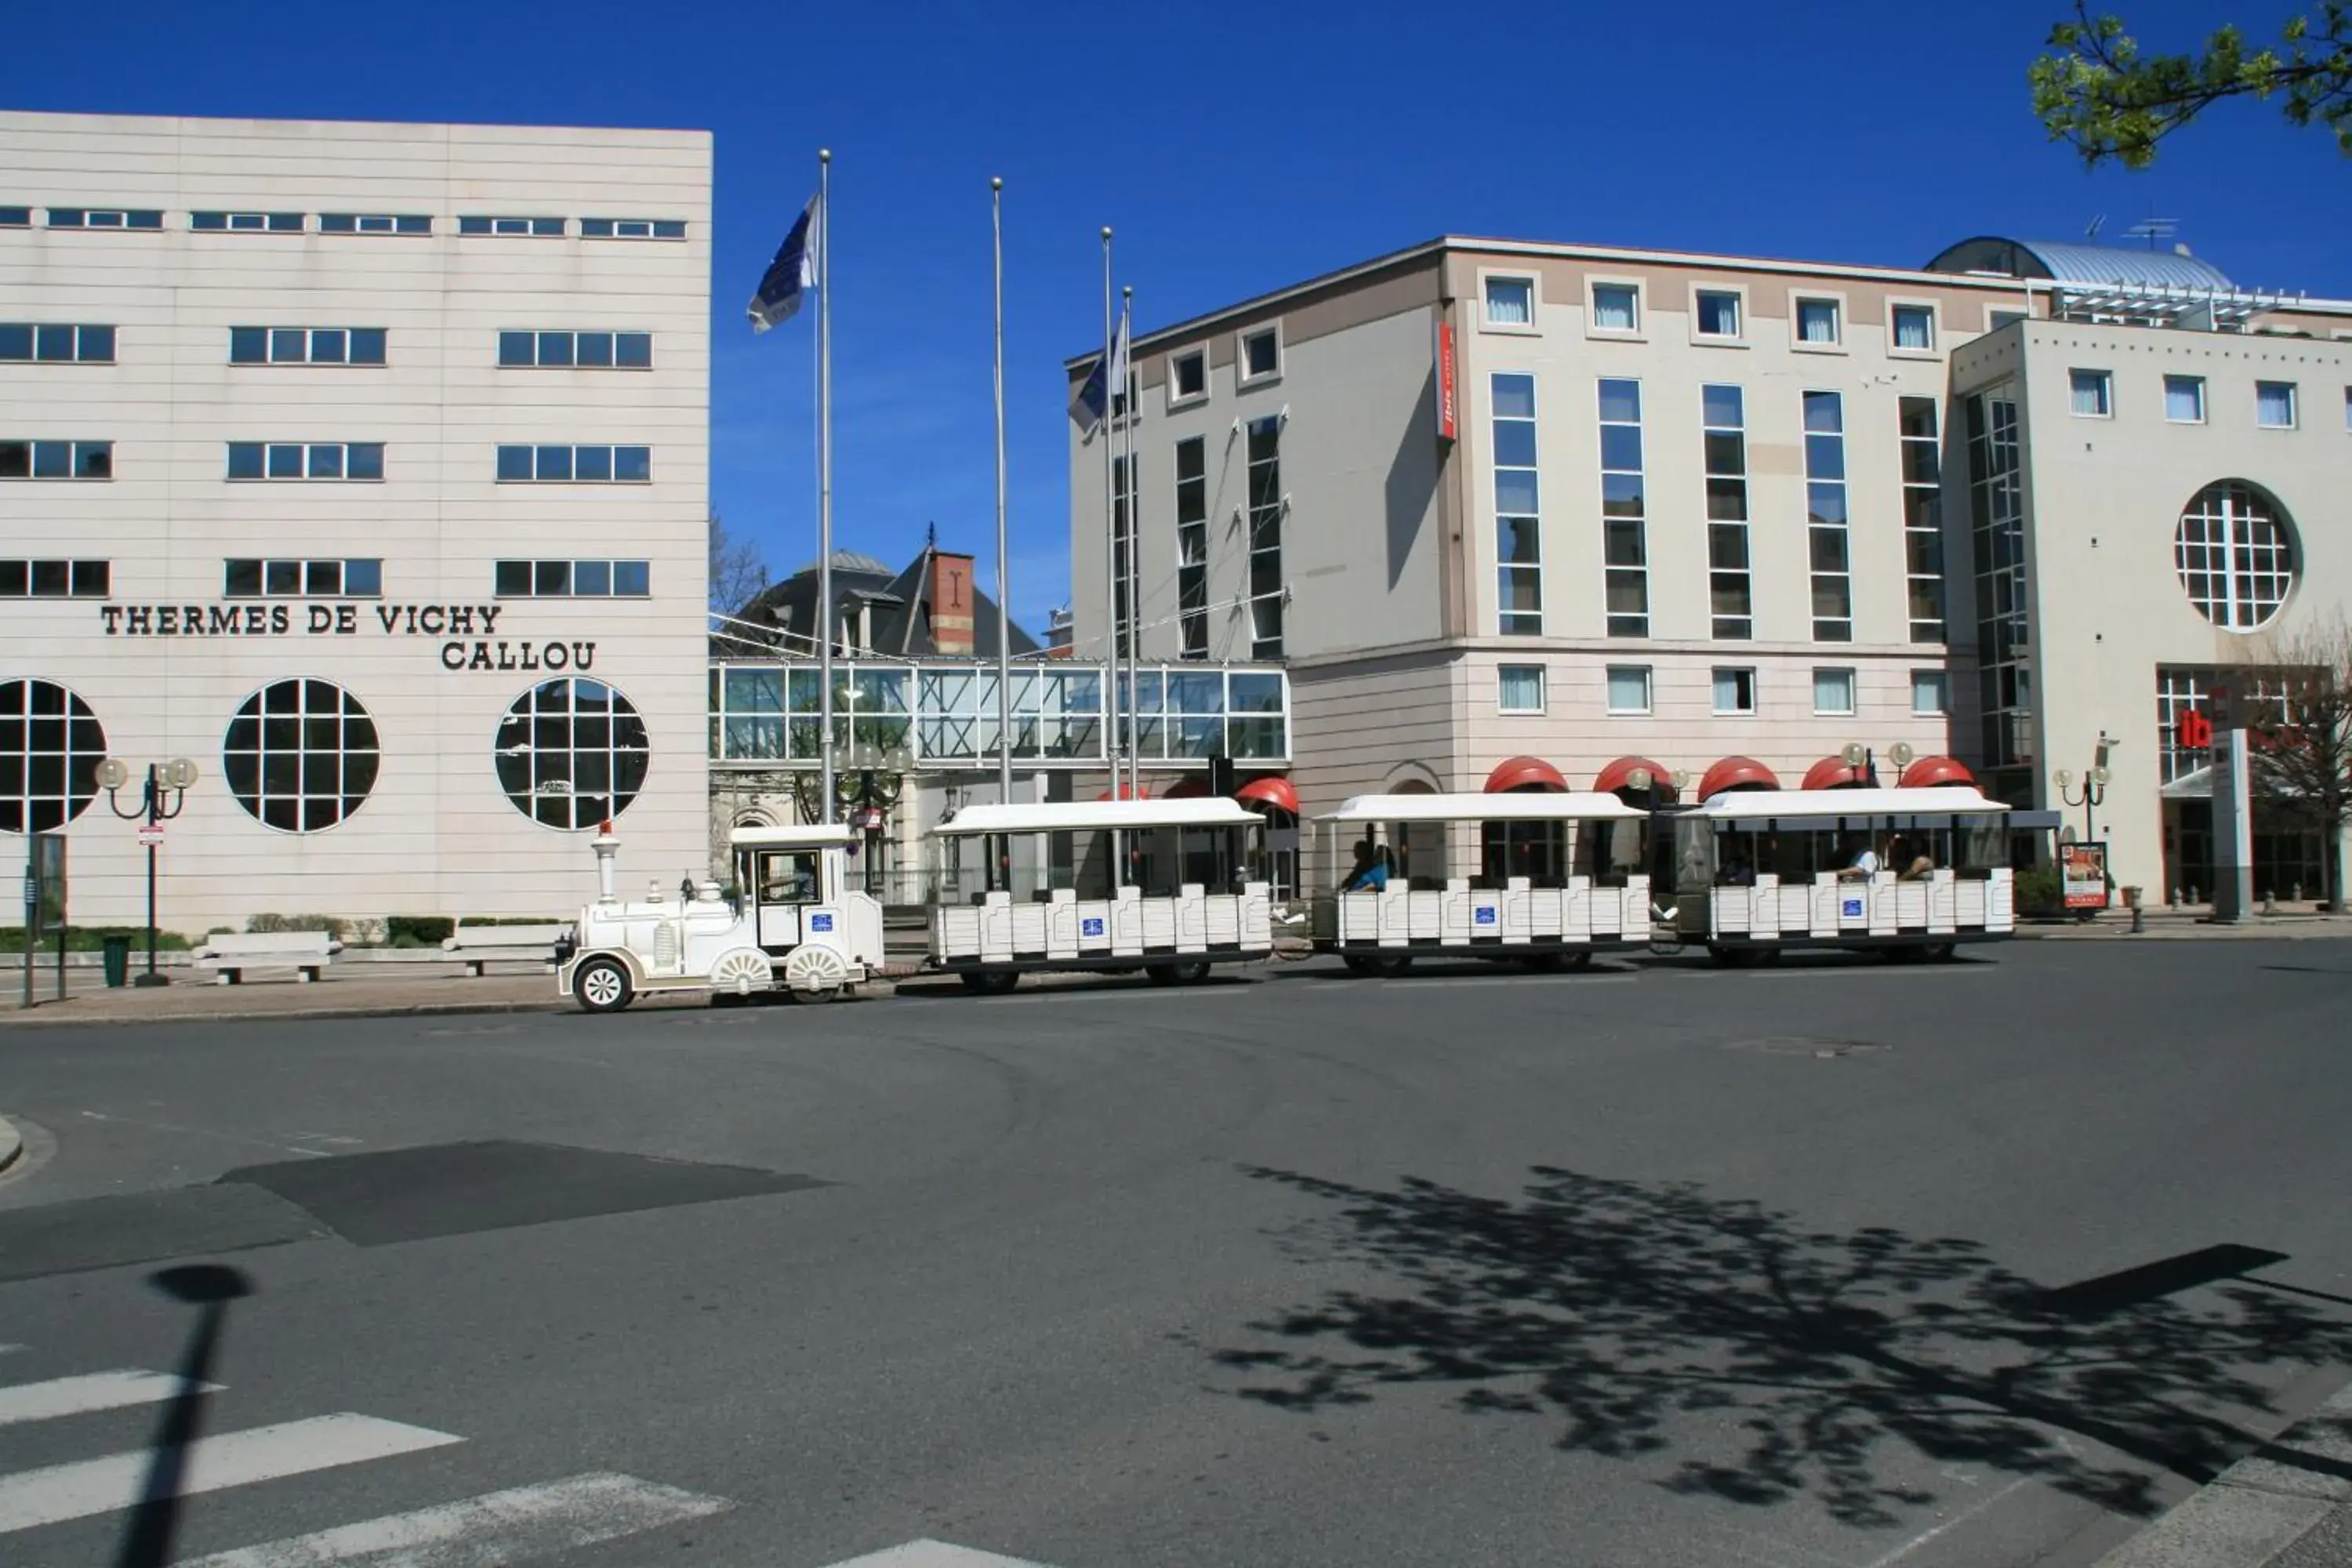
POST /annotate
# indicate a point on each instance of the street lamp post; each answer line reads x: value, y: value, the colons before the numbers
x: 174, y: 777
x: 2095, y: 787
x: 874, y: 797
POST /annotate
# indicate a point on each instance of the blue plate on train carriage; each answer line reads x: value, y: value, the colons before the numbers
x: 820, y: 922
x: 1092, y: 926
x: 1851, y: 909
x: 1484, y: 914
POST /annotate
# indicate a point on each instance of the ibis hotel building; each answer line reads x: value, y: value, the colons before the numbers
x: 363, y: 466
x: 1529, y: 515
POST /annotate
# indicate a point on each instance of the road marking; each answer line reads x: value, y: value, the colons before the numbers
x: 1432, y: 983
x: 934, y: 1554
x: 489, y: 1530
x: 57, y: 1492
x: 94, y: 1391
x: 197, y: 1132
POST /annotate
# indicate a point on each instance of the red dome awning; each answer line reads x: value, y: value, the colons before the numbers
x: 1272, y: 790
x: 1835, y: 772
x: 1525, y: 772
x: 1189, y: 787
x: 1128, y: 792
x: 1928, y: 771
x: 1612, y: 777
x: 1736, y: 772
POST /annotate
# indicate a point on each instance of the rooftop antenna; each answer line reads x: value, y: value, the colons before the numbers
x: 2152, y: 229
x: 2091, y: 232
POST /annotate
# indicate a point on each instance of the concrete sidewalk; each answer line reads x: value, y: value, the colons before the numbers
x: 2286, y: 1505
x: 2192, y: 922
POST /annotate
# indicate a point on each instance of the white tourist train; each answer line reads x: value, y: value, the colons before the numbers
x: 1560, y: 874
x: 1909, y: 871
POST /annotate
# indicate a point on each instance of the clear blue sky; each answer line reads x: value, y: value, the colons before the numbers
x: 1238, y: 148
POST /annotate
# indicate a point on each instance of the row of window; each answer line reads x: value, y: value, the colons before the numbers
x: 301, y: 756
x: 349, y: 223
x: 338, y: 461
x: 2277, y: 403
x: 1519, y: 541
x: 1521, y: 690
x: 253, y: 577
x: 66, y: 343
x: 1257, y: 362
x: 1618, y: 308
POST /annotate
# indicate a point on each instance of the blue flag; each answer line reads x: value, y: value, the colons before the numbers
x: 1093, y: 397
x: 791, y: 274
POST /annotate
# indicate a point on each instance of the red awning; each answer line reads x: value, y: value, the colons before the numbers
x: 1188, y: 788
x: 1612, y: 777
x: 1736, y: 772
x: 1834, y: 772
x: 1128, y: 792
x: 1525, y: 772
x: 1929, y: 771
x: 1272, y: 790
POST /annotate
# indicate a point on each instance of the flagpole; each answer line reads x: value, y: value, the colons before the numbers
x: 1134, y: 571
x: 1111, y: 533
x: 1003, y: 590
x: 824, y: 480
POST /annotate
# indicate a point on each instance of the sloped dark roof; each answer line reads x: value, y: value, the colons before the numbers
x: 901, y: 611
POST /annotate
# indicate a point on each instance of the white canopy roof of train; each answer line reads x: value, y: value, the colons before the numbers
x: 1530, y: 807
x: 800, y: 835
x: 1939, y: 800
x: 1090, y: 815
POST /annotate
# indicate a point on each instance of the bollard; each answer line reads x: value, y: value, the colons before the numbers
x: 2139, y: 917
x: 2270, y: 903
x: 2192, y: 892
x: 2176, y: 896
x: 2296, y: 896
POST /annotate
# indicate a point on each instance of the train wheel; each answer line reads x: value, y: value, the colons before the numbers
x: 990, y: 982
x: 1940, y: 951
x: 603, y: 985
x: 1722, y: 957
x: 1177, y: 973
x: 1583, y: 958
x: 1388, y: 968
x: 1545, y: 962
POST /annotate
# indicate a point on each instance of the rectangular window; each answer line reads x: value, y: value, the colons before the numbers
x: 306, y: 461
x: 2184, y: 399
x: 1724, y: 439
x: 16, y: 218
x: 1735, y: 690
x: 1624, y: 510
x: 1188, y: 376
x: 557, y: 465
x: 246, y: 223
x: 54, y: 579
x: 1616, y: 308
x: 2005, y: 676
x: 1923, y: 516
x: 1267, y: 505
x: 2347, y: 408
x: 56, y: 344
x: 1931, y: 692
x: 306, y: 345
x: 1518, y: 525
x: 1260, y: 355
x: 1833, y: 691
x: 1123, y: 476
x: 1913, y: 327
x: 571, y: 579
x: 580, y: 350
x: 2274, y: 405
x: 1511, y: 302
x: 632, y: 228
x: 57, y: 460
x: 1629, y: 688
x: 249, y: 578
x: 539, y: 227
x: 1192, y: 545
x: 1818, y: 323
x: 1520, y: 689
x: 105, y: 217
x: 1718, y: 313
x: 374, y: 223
x: 1827, y: 543
x: 2093, y: 391
x: 1995, y: 320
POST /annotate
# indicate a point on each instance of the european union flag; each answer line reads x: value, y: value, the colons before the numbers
x: 791, y: 274
x: 1092, y: 401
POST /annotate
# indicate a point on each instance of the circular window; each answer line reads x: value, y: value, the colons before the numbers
x: 50, y: 746
x: 572, y: 752
x: 2235, y: 552
x: 300, y: 756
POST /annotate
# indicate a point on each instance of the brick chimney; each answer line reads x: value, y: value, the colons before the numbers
x: 950, y: 595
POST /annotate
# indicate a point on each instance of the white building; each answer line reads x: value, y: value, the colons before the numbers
x: 366, y: 467
x: 1519, y: 514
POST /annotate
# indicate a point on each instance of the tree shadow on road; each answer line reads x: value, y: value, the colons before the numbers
x: 1617, y: 1308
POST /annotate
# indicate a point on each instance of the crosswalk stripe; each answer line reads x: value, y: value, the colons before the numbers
x: 76, y: 1491
x: 92, y: 1391
x: 934, y: 1554
x: 486, y: 1532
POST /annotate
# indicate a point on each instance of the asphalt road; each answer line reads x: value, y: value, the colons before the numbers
x: 1838, y: 1263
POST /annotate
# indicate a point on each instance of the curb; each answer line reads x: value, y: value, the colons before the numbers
x: 357, y: 1010
x: 11, y: 1144
x: 2255, y: 1511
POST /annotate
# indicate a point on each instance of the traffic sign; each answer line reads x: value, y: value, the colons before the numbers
x: 151, y: 835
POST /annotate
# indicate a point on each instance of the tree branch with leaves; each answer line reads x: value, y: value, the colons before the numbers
x: 2098, y: 90
x: 2301, y: 766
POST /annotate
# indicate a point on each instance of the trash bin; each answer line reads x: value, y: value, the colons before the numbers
x: 117, y: 963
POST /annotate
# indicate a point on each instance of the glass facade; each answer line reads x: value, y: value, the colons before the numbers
x: 1997, y: 504
x: 1830, y: 547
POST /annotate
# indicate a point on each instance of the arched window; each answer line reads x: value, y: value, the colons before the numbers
x: 50, y: 746
x: 300, y: 756
x: 572, y: 752
x: 2236, y: 553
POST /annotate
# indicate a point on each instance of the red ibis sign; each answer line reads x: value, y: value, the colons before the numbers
x: 1448, y: 398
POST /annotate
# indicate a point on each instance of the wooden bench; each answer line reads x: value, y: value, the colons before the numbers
x: 477, y: 946
x: 305, y: 953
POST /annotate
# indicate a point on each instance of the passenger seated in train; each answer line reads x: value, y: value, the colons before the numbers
x: 1371, y: 873
x: 1911, y: 859
x: 1861, y: 860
